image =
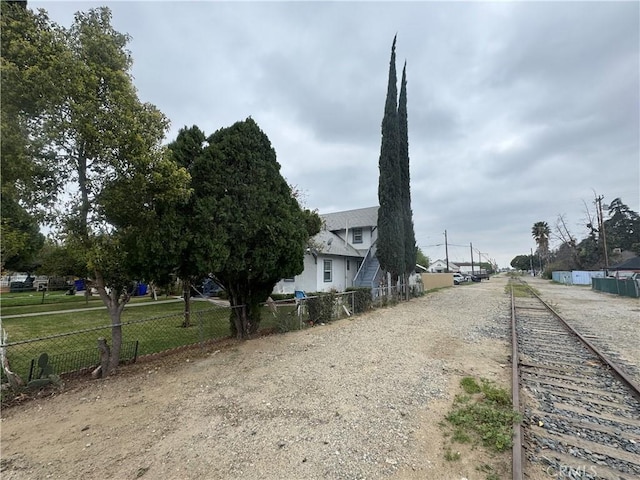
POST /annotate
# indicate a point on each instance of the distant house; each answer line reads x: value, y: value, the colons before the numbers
x: 440, y: 266
x: 626, y: 268
x: 342, y: 255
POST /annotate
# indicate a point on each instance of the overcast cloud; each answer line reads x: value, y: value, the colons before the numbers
x: 518, y: 112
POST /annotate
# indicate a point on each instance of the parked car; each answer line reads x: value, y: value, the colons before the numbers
x: 20, y: 282
x: 458, y: 278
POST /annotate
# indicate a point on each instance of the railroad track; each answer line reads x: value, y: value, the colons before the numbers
x: 581, y: 414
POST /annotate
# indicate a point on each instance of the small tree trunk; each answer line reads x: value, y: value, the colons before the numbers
x: 116, y: 344
x: 87, y: 292
x: 186, y: 295
x: 115, y: 302
x: 105, y: 354
x: 241, y: 321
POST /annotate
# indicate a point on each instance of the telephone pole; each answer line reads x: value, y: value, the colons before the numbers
x: 471, y: 247
x: 602, y: 231
x: 533, y: 272
x: 446, y: 250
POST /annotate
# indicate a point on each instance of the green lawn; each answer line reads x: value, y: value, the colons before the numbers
x: 53, y: 324
x: 32, y: 302
x: 70, y: 339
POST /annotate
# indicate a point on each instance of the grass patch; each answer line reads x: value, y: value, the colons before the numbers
x: 469, y: 385
x: 44, y: 325
x: 489, y: 471
x: 483, y: 415
x: 451, y: 456
x: 520, y: 290
x: 156, y: 326
x: 33, y: 302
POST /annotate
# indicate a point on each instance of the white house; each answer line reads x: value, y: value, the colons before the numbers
x: 342, y: 255
x: 440, y: 266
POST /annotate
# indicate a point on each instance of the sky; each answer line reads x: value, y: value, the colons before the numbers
x: 518, y: 112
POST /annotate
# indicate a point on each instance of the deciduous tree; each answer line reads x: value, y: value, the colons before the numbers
x: 98, y: 140
x: 522, y: 262
x: 29, y: 42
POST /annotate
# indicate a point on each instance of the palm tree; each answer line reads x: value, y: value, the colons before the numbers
x: 540, y: 232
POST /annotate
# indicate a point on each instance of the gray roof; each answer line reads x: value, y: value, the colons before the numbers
x: 631, y: 264
x: 361, y: 217
x: 330, y: 244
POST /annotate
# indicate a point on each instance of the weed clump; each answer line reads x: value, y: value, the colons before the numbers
x: 484, y: 415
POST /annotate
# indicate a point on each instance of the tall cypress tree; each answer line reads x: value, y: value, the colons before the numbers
x: 407, y: 214
x: 390, y: 251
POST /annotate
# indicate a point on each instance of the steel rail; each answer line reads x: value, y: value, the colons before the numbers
x: 515, y: 397
x: 626, y: 379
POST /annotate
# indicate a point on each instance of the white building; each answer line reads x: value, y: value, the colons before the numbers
x: 440, y: 266
x: 342, y: 255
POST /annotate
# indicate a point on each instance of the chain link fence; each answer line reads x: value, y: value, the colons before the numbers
x: 76, y: 353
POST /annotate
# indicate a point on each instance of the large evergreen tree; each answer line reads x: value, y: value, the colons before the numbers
x: 622, y: 227
x: 185, y: 239
x: 390, y: 249
x: 405, y: 178
x: 266, y: 229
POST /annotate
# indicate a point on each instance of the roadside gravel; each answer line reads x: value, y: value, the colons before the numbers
x: 358, y: 398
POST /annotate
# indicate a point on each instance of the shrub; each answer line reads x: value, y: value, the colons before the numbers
x: 361, y: 299
x: 320, y: 307
x: 281, y: 296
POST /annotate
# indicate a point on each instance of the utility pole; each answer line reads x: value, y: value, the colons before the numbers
x: 446, y: 250
x: 540, y: 262
x: 533, y: 273
x: 471, y: 247
x: 602, y: 232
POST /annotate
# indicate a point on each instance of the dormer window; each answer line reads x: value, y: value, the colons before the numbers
x: 356, y: 235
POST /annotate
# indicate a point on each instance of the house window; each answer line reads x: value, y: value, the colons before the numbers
x: 327, y: 270
x: 357, y: 235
